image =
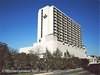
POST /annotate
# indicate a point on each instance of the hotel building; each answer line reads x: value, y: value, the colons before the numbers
x: 57, y: 30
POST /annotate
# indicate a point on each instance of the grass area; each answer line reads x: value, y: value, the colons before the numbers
x: 24, y: 74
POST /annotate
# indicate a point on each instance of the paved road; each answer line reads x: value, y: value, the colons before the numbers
x: 78, y: 71
x: 74, y: 73
x: 69, y: 72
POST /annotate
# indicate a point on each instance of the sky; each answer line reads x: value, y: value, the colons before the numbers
x: 18, y: 21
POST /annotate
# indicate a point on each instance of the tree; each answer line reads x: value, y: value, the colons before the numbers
x: 10, y: 59
x: 57, y: 59
x: 13, y: 51
x: 57, y: 53
x: 47, y: 54
x: 3, y: 53
x: 33, y: 58
x: 84, y: 63
x: 66, y: 54
x: 48, y: 58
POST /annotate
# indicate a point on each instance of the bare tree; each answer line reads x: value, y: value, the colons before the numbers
x: 66, y: 54
x: 48, y: 59
x: 3, y: 53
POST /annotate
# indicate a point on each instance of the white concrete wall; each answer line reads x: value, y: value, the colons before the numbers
x: 39, y: 26
x: 25, y: 50
x: 47, y: 22
x: 50, y: 42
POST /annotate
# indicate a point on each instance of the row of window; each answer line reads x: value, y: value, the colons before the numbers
x: 57, y: 24
x: 67, y: 36
x: 70, y: 43
x: 60, y: 34
x: 57, y: 12
x: 66, y: 21
x: 61, y: 19
x: 60, y: 23
x: 66, y: 30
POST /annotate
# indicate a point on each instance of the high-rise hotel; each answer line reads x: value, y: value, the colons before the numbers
x: 56, y: 30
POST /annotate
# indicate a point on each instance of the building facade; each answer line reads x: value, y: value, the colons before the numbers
x: 53, y: 21
x: 57, y: 30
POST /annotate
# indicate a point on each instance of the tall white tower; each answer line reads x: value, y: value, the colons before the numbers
x: 45, y: 22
